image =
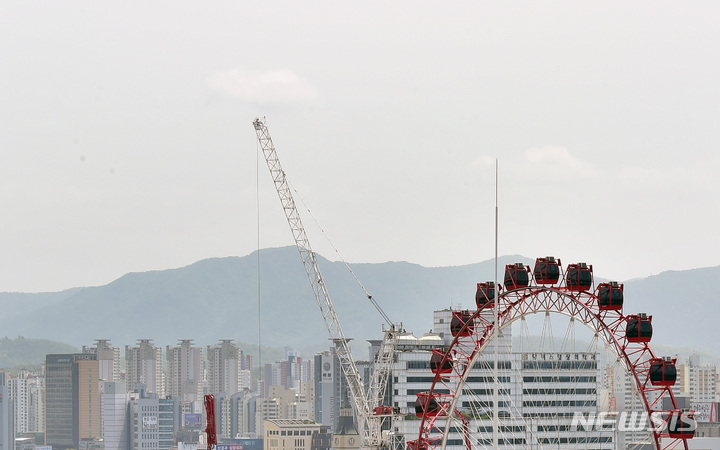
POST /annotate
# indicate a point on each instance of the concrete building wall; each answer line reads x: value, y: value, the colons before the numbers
x: 116, y: 425
x: 7, y: 426
x: 87, y: 399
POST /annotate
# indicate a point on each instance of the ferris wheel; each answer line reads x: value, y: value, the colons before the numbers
x: 547, y: 389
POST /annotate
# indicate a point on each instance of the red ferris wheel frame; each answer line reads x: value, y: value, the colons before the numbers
x: 582, y: 304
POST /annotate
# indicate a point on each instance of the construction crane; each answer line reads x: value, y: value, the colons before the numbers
x: 370, y: 412
x: 210, y: 429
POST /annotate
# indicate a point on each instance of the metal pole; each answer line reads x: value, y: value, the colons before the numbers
x: 496, y: 330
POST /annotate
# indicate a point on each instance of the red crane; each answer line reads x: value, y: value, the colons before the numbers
x: 211, y: 430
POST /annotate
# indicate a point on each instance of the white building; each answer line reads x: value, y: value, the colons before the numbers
x: 185, y: 377
x: 144, y: 365
x: 27, y: 392
x: 539, y: 393
x: 19, y: 396
x: 116, y: 423
x: 697, y: 381
x: 108, y: 359
x: 224, y: 369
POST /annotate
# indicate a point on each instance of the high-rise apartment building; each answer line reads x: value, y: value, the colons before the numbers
x: 108, y: 359
x: 144, y: 365
x: 19, y: 396
x: 697, y: 381
x: 185, y: 372
x: 72, y: 399
x: 224, y: 368
x: 27, y: 393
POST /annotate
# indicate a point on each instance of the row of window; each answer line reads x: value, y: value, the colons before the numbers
x: 554, y: 365
x: 469, y: 379
x: 560, y: 391
x: 479, y: 365
x: 559, y: 379
x: 551, y: 403
x: 289, y: 433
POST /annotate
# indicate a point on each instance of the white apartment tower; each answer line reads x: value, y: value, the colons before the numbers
x: 27, y: 394
x: 185, y: 366
x: 699, y: 382
x: 144, y: 365
x: 108, y: 359
x: 224, y: 368
x: 19, y: 393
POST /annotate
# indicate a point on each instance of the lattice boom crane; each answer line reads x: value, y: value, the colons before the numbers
x: 370, y: 417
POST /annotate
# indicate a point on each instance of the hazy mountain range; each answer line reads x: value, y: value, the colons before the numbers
x: 218, y: 299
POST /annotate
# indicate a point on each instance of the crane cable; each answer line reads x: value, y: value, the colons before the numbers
x: 369, y: 296
x: 257, y: 201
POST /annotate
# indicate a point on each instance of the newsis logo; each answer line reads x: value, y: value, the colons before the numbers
x: 658, y: 421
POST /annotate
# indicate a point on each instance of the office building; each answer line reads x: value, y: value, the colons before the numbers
x: 296, y: 434
x: 72, y: 399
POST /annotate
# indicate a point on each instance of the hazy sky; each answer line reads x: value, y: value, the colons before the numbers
x: 127, y: 143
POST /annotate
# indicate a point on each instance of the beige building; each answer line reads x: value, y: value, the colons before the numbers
x: 291, y: 434
x: 699, y: 382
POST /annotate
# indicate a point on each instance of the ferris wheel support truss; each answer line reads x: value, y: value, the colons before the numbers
x: 478, y: 331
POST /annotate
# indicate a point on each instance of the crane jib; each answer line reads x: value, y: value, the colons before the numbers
x: 364, y: 403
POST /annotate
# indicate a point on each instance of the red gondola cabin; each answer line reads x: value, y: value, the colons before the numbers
x: 547, y: 270
x: 485, y: 294
x: 424, y: 403
x: 579, y: 277
x: 662, y: 371
x: 437, y: 366
x: 417, y: 445
x: 639, y: 328
x: 681, y: 424
x: 458, y: 321
x: 610, y: 296
x: 516, y: 276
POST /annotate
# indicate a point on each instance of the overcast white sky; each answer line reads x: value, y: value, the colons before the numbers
x: 127, y: 143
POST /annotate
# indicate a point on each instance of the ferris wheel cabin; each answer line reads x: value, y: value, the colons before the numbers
x: 516, y: 276
x: 579, y: 277
x: 437, y: 365
x: 414, y: 445
x: 458, y: 323
x: 485, y: 294
x: 663, y: 371
x: 639, y: 328
x: 681, y: 424
x: 610, y: 296
x: 425, y: 403
x: 547, y: 270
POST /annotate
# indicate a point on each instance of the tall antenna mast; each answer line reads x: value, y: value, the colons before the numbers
x: 496, y: 331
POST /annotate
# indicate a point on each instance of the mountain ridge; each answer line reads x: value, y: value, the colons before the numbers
x: 217, y: 298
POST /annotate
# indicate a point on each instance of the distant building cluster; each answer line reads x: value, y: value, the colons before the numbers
x: 152, y: 398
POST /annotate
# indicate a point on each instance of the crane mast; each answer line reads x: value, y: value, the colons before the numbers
x: 347, y: 364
